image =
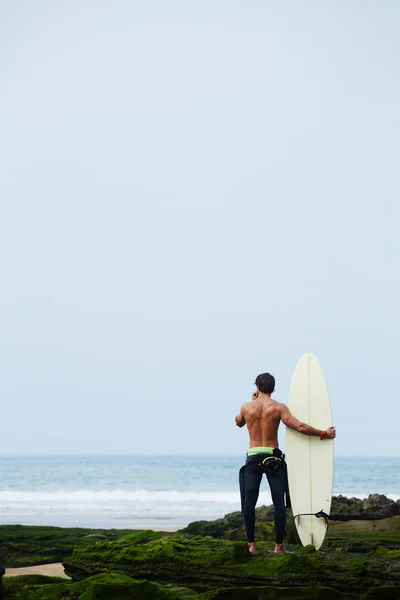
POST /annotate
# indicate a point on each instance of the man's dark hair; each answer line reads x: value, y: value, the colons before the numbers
x: 265, y: 383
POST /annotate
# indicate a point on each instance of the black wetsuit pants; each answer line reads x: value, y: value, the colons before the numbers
x: 250, y: 476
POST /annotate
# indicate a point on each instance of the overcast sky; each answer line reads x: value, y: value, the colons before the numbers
x: 194, y: 192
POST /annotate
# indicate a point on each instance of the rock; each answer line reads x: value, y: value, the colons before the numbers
x: 26, y: 545
x: 265, y: 513
x: 180, y: 591
x: 384, y: 593
x: 101, y: 587
x: 231, y: 526
x: 376, y: 506
x: 273, y: 593
x: 118, y: 587
x: 206, y: 563
x: 345, y: 509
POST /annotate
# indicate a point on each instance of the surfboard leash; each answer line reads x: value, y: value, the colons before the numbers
x: 320, y: 515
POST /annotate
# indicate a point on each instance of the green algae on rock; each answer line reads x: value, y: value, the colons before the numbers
x: 231, y: 526
x: 120, y: 587
x: 353, y: 536
x: 18, y: 587
x: 277, y: 593
x: 101, y: 587
x: 26, y: 545
x: 384, y: 593
x: 206, y: 563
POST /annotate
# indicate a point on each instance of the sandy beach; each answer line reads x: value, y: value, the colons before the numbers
x: 51, y: 570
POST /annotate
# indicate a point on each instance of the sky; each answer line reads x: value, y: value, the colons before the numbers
x: 192, y: 193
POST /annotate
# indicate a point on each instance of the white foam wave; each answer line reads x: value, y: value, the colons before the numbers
x: 170, y: 496
x: 137, y: 504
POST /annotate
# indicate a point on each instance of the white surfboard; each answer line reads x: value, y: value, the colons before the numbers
x: 309, y: 459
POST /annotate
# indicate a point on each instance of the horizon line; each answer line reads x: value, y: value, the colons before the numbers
x: 172, y: 454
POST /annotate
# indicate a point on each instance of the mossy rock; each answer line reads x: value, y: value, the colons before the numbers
x: 26, y: 545
x: 101, y: 587
x: 231, y: 526
x: 274, y: 593
x: 363, y: 536
x: 350, y: 535
x: 21, y: 586
x: 180, y: 592
x: 203, y: 564
x: 384, y: 593
x: 119, y: 587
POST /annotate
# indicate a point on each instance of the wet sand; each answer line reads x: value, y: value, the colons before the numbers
x: 52, y: 570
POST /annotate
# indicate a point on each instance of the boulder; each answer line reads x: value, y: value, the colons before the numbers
x: 101, y: 587
x: 274, y: 593
x: 26, y: 545
x: 384, y: 593
x: 376, y: 506
x: 346, y: 509
x: 205, y: 563
x: 231, y: 526
x: 117, y: 587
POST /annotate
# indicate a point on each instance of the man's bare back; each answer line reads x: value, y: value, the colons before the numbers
x: 263, y: 416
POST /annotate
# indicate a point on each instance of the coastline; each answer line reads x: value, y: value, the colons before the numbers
x: 359, y: 556
x: 56, y: 569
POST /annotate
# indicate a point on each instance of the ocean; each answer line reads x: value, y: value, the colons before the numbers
x: 150, y: 491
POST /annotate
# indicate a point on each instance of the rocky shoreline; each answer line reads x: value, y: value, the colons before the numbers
x: 360, y: 560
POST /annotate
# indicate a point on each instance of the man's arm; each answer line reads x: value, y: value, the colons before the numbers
x: 290, y: 421
x: 240, y: 420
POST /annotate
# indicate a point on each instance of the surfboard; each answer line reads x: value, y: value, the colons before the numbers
x: 309, y: 459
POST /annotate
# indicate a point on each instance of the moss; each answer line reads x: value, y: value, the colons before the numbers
x: 180, y: 592
x: 274, y: 593
x: 384, y: 593
x: 193, y: 564
x: 387, y: 553
x: 33, y: 580
x: 363, y: 536
x: 119, y: 587
x: 231, y: 526
x: 22, y: 586
x: 25, y: 545
x: 206, y: 563
x: 102, y: 587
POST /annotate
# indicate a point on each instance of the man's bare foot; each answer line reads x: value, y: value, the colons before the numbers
x: 279, y: 549
x: 252, y: 547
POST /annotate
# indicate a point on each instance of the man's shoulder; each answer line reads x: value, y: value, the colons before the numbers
x: 279, y: 405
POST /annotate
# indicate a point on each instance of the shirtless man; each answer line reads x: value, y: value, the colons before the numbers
x: 262, y: 416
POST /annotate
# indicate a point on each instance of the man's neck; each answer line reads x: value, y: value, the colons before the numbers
x: 263, y: 396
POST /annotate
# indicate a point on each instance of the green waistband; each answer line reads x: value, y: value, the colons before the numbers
x: 259, y: 450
